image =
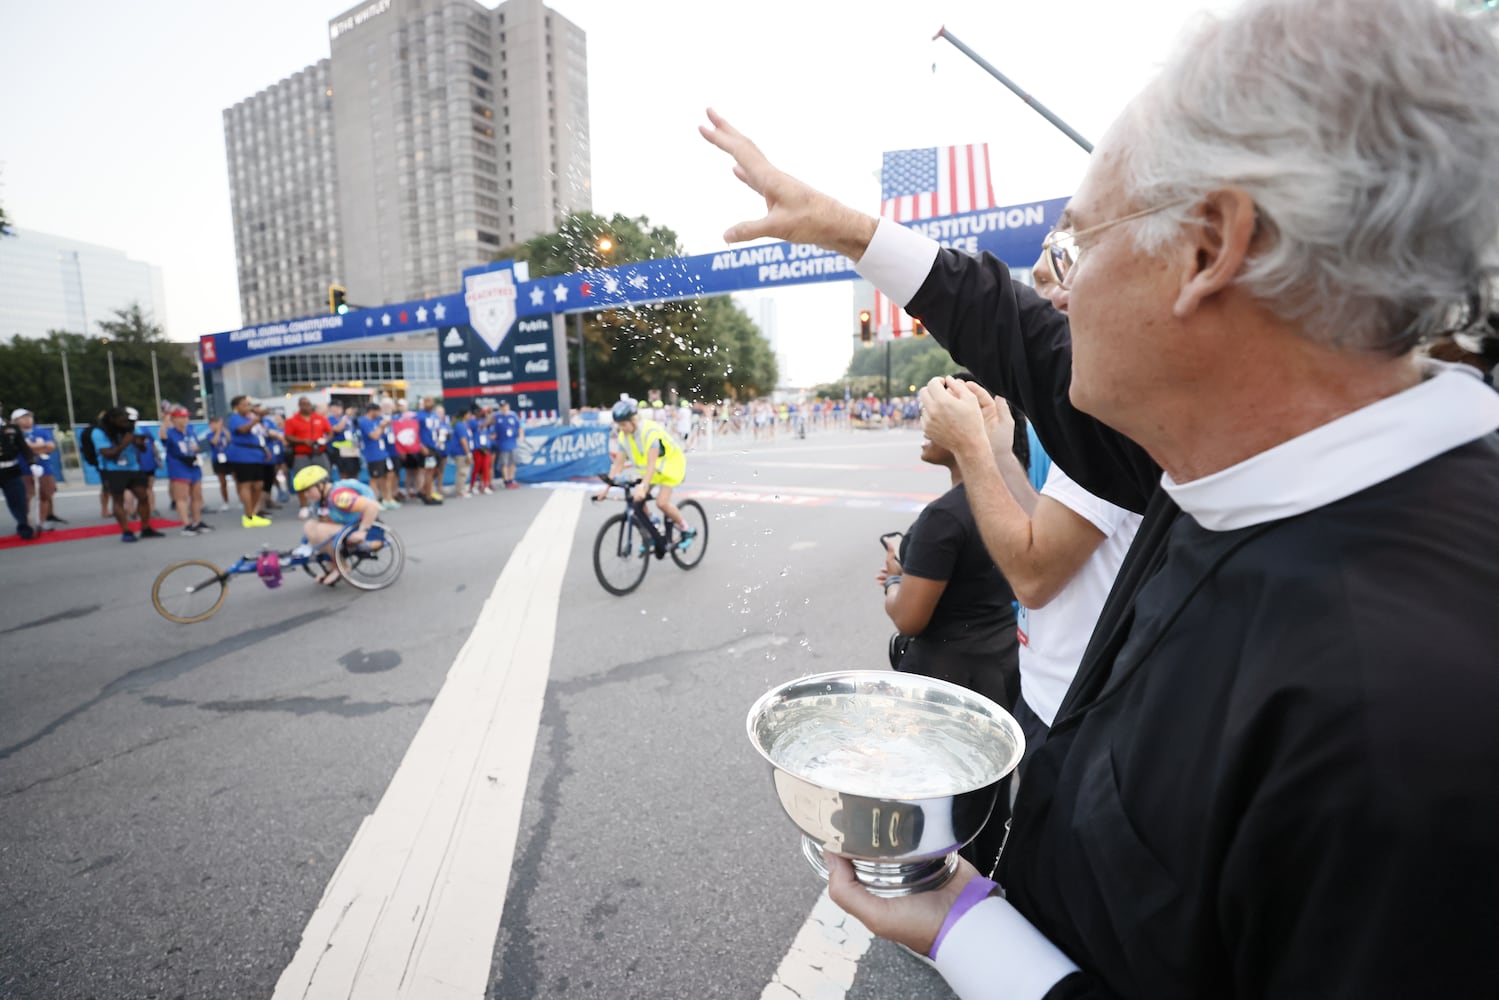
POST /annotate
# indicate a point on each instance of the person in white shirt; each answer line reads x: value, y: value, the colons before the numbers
x: 1060, y: 549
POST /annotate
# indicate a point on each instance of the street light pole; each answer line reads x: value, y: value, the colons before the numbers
x: 67, y: 388
x: 155, y: 379
x: 887, y: 373
x: 114, y: 394
x: 582, y: 366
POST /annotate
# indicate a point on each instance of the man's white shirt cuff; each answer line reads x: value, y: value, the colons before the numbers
x: 994, y: 951
x: 897, y: 261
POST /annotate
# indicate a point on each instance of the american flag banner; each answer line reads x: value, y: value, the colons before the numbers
x: 923, y: 184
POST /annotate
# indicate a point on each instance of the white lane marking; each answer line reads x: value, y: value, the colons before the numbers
x: 823, y: 958
x: 414, y: 907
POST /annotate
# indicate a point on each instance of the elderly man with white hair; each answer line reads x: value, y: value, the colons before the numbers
x: 1277, y: 771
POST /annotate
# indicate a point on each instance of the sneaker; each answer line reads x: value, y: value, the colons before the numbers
x: 512, y: 485
x: 687, y: 537
x: 255, y: 522
x: 127, y: 536
x: 203, y: 527
x: 390, y: 505
x: 489, y: 489
x: 223, y: 508
x: 304, y: 513
x: 150, y: 532
x: 428, y: 501
x: 437, y: 498
x: 54, y: 519
x: 191, y: 529
x: 303, y: 551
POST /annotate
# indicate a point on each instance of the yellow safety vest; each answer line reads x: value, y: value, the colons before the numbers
x: 673, y: 462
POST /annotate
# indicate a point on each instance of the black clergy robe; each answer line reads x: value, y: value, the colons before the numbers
x: 1276, y: 774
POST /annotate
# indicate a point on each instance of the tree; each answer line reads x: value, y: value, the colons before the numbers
x: 913, y: 361
x: 701, y: 349
x: 31, y: 373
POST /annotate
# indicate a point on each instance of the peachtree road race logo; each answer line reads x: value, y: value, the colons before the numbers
x: 491, y: 305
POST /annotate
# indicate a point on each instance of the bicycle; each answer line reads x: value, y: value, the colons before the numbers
x: 193, y: 590
x: 625, y: 544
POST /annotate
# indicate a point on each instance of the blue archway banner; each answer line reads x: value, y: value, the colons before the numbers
x: 1012, y: 233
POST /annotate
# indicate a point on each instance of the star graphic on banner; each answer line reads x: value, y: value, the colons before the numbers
x: 611, y: 284
x: 560, y: 292
x: 421, y: 314
x: 537, y: 296
x: 385, y: 319
x: 638, y: 280
x: 369, y: 321
x: 586, y: 289
x: 439, y: 311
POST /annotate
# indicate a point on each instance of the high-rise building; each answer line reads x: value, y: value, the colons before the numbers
x: 449, y: 131
x: 283, y: 194
x: 54, y: 283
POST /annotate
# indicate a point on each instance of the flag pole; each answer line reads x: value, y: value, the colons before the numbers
x: 1034, y: 104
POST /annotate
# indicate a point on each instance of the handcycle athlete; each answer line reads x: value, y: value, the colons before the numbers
x: 659, y: 459
x: 338, y: 505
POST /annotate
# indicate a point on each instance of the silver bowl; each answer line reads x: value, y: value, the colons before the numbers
x: 894, y: 771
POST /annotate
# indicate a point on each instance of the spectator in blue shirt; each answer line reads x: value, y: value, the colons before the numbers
x: 460, y: 454
x: 373, y: 445
x: 344, y: 443
x: 44, y: 447
x: 275, y: 450
x: 247, y: 457
x: 509, y: 432
x: 184, y: 474
x: 218, y: 442
x: 119, y: 467
x: 429, y: 429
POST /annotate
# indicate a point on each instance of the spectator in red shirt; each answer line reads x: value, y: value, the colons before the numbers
x: 307, y: 432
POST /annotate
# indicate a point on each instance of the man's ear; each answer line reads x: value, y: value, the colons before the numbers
x: 1221, y: 236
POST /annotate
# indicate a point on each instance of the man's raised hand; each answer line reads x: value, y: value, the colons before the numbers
x: 793, y: 210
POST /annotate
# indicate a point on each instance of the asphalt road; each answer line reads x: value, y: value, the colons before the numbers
x: 174, y: 799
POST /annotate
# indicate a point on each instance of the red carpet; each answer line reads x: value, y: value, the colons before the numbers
x: 73, y: 534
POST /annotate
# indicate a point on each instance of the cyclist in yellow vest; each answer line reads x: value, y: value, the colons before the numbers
x: 658, y: 457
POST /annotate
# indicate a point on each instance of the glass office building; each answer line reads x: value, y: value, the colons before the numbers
x: 54, y: 283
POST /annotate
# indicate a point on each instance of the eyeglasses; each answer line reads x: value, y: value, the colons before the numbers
x: 1063, y: 252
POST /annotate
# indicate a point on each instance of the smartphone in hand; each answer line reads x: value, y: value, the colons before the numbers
x: 886, y: 539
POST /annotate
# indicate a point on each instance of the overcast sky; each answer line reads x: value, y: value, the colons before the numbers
x: 111, y: 129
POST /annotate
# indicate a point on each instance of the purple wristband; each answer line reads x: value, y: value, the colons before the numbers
x: 977, y: 889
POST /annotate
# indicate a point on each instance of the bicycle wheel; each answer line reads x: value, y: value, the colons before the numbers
x: 369, y: 568
x: 692, y: 513
x: 619, y: 559
x: 189, y: 591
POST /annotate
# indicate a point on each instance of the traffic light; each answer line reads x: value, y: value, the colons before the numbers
x: 917, y: 330
x: 866, y: 332
x: 337, y: 300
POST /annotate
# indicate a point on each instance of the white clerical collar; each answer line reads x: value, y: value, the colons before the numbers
x: 1450, y: 407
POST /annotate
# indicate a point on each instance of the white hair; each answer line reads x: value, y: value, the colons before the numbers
x: 1367, y: 133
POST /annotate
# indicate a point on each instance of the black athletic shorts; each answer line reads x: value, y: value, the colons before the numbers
x: 119, y: 481
x: 348, y: 468
x: 248, y: 472
x: 378, y: 467
x: 414, y: 460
